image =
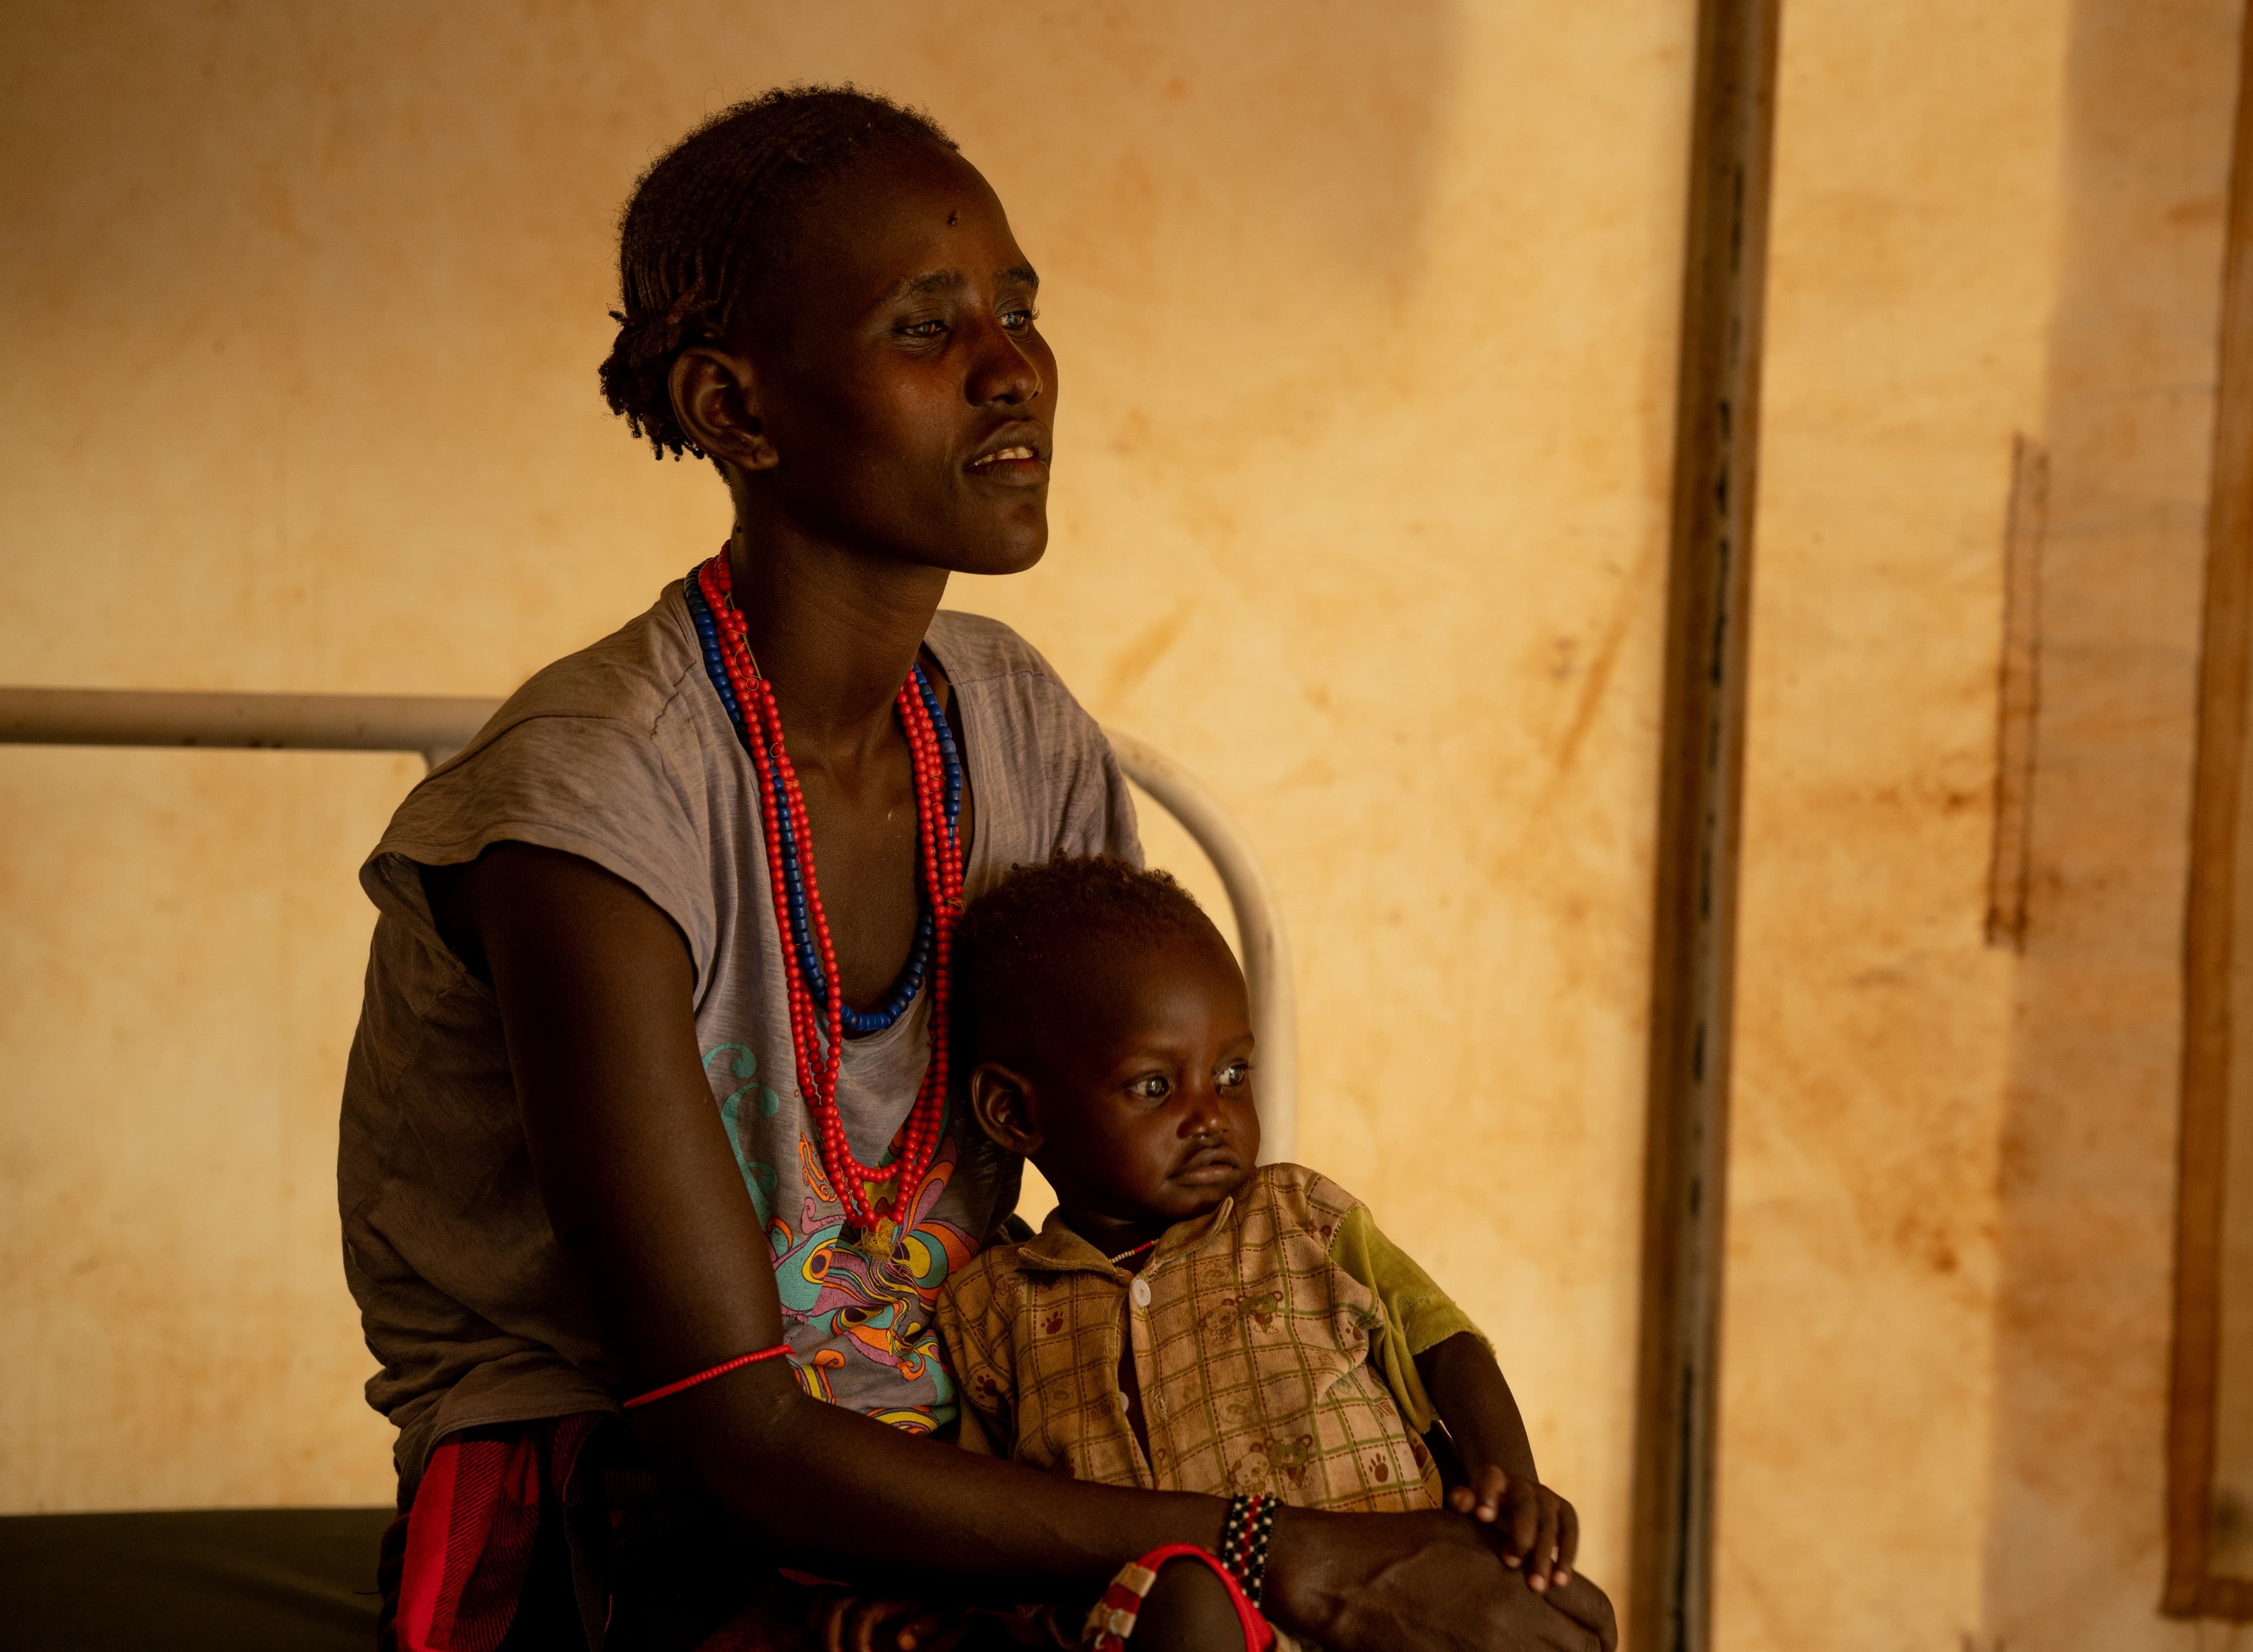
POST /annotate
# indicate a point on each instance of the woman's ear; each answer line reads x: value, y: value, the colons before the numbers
x: 1002, y: 1101
x: 715, y: 398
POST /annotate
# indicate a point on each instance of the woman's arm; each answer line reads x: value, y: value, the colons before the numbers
x: 595, y: 986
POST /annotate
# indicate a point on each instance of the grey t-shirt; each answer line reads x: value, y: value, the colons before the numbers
x: 623, y: 754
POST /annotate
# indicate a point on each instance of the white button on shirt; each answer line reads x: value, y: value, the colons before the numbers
x: 1141, y: 1292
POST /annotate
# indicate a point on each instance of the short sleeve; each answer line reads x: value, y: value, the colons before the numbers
x: 1418, y: 1316
x: 597, y: 787
x: 1099, y: 813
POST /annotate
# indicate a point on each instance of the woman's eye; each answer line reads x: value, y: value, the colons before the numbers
x: 922, y: 329
x: 1156, y: 1087
x: 1018, y: 320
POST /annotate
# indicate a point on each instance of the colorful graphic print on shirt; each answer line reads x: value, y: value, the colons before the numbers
x: 838, y: 1303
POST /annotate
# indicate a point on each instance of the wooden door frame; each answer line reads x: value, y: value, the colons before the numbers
x: 1701, y: 773
x: 2210, y: 922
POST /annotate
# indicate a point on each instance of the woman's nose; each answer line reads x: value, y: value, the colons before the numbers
x: 1001, y: 370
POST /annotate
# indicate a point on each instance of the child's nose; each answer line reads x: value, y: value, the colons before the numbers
x: 1203, y: 1116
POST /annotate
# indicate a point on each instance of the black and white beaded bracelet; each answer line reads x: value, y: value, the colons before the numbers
x: 1244, y: 1536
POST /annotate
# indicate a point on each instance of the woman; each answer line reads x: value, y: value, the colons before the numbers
x: 646, y: 1090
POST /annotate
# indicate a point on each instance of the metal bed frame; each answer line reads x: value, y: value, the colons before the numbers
x: 438, y: 726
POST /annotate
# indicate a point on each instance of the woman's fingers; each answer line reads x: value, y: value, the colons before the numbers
x: 946, y: 1638
x: 867, y: 1619
x: 829, y: 1619
x: 926, y: 1630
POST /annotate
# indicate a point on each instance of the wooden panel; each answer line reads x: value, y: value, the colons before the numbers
x: 1700, y: 778
x: 2017, y: 698
x: 2212, y: 927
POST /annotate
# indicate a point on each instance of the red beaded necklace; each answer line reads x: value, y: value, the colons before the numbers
x: 817, y: 1032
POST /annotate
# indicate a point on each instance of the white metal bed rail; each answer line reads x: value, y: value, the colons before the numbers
x: 438, y: 726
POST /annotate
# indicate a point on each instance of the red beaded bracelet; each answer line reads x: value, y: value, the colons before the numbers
x: 721, y: 1370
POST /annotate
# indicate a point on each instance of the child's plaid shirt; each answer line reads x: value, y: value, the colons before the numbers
x: 1273, y: 1346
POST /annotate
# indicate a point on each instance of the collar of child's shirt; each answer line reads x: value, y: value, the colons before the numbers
x: 1057, y: 1248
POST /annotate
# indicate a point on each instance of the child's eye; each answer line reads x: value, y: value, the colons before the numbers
x: 1153, y: 1087
x: 1235, y: 1076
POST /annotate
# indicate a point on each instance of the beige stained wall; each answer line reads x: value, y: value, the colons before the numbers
x: 1911, y: 276
x: 1952, y: 1190
x: 1366, y: 321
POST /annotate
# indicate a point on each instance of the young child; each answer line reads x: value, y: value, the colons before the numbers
x: 1189, y: 1320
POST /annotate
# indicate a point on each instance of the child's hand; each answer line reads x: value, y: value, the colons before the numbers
x: 847, y: 1622
x: 1535, y: 1527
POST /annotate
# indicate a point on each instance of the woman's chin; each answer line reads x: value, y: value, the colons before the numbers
x: 1011, y: 551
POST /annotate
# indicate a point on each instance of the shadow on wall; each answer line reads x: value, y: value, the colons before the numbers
x: 2077, y: 1549
x: 1306, y: 132
x: 1304, y: 135
x: 297, y: 225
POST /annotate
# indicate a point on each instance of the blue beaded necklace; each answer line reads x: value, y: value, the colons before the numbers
x: 857, y: 1023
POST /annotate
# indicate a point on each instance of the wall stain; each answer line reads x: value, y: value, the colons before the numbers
x: 1144, y: 652
x: 2085, y: 1177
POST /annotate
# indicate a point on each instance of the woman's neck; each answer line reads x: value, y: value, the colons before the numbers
x: 836, y: 633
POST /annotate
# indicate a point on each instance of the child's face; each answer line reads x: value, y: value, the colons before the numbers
x: 909, y: 407
x: 1142, y: 1108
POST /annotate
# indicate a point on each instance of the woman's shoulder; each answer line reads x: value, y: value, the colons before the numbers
x: 1019, y: 702
x: 1049, y: 781
x: 603, y: 755
x: 633, y: 676
x: 622, y: 702
x: 977, y: 650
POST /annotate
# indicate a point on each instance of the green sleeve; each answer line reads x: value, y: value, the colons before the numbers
x: 1418, y: 1315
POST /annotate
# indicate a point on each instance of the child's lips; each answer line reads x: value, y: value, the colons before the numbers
x: 1214, y: 1164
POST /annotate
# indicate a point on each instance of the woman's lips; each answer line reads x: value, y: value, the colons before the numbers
x: 1020, y: 465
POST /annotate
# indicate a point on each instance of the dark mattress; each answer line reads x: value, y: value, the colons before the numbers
x: 234, y: 1578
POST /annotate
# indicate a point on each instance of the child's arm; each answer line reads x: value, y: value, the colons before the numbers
x: 1539, y: 1529
x: 1438, y: 1366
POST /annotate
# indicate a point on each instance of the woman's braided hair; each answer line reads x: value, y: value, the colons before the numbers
x: 712, y: 220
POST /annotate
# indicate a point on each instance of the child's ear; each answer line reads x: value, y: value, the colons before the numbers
x: 1002, y: 1101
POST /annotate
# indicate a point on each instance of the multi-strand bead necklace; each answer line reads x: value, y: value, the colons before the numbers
x: 819, y: 1019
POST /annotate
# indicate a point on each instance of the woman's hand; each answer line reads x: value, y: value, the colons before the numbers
x: 844, y: 1621
x: 1533, y: 1527
x: 1421, y: 1583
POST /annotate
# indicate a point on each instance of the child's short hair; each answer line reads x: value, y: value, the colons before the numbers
x: 1013, y: 939
x: 709, y: 222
